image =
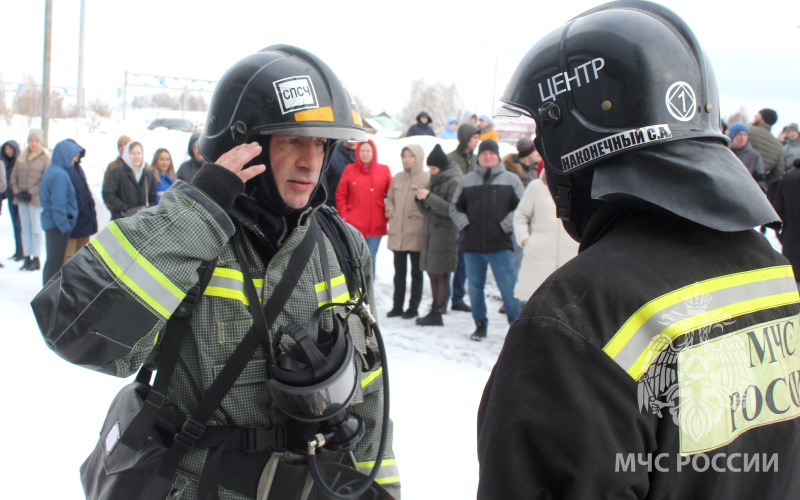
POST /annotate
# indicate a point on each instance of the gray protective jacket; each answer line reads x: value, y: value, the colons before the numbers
x: 114, y: 297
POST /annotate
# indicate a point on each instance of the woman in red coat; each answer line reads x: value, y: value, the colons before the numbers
x: 361, y: 194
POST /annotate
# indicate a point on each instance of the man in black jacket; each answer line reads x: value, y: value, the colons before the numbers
x: 662, y: 361
x: 483, y: 209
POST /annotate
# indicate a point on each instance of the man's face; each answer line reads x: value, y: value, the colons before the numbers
x: 473, y: 142
x: 488, y: 159
x: 196, y: 152
x: 793, y: 134
x: 423, y: 119
x: 296, y: 165
x: 739, y: 140
x: 758, y: 119
x: 121, y: 147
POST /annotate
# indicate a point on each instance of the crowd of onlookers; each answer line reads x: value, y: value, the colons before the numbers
x: 467, y: 212
x: 51, y: 204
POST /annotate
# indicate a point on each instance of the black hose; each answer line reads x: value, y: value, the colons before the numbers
x: 312, y: 459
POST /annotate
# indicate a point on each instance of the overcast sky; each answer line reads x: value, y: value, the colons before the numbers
x: 377, y: 48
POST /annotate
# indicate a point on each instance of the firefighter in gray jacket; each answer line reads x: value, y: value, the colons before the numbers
x: 274, y: 119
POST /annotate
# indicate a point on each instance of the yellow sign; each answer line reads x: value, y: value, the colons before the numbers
x: 736, y: 382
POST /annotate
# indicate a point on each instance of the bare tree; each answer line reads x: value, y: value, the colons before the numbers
x: 100, y: 108
x: 438, y: 100
x: 365, y: 111
x: 738, y: 116
x: 28, y: 99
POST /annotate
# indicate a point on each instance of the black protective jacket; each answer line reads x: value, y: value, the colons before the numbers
x: 662, y: 362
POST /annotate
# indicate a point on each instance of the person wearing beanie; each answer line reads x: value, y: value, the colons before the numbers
x: 189, y: 169
x: 487, y: 128
x: 24, y: 182
x: 791, y: 148
x: 740, y: 145
x: 464, y: 156
x: 769, y: 147
x: 524, y: 162
x: 121, y: 143
x: 405, y: 229
x: 439, y: 255
x: 786, y: 201
x: 483, y: 209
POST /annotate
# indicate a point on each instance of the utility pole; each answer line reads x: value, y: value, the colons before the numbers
x: 81, y: 90
x: 48, y: 24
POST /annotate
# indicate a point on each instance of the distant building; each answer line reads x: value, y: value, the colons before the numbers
x: 511, y: 132
x: 384, y: 125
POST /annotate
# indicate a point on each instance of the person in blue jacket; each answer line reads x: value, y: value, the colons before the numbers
x: 59, y: 204
x: 450, y: 129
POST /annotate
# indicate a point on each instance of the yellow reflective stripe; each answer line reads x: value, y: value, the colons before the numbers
x: 639, y: 340
x: 389, y: 472
x: 229, y: 284
x: 339, y: 290
x: 367, y: 378
x: 130, y: 267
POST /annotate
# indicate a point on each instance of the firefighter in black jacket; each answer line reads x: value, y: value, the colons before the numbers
x: 664, y: 360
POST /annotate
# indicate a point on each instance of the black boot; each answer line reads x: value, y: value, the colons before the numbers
x: 434, y: 318
x: 396, y: 311
x: 18, y: 255
x: 34, y: 265
x: 461, y: 306
x: 411, y: 312
x: 26, y: 264
x: 480, y: 331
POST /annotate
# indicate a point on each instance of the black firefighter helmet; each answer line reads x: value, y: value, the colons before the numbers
x: 281, y: 89
x: 624, y: 92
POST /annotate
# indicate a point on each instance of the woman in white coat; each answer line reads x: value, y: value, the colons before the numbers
x: 546, y: 245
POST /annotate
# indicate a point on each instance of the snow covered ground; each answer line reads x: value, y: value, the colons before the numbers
x: 53, y: 410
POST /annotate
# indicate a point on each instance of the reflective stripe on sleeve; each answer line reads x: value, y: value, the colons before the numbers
x: 637, y: 344
x: 131, y: 268
x: 339, y: 291
x: 389, y: 472
x: 229, y: 284
x: 368, y: 377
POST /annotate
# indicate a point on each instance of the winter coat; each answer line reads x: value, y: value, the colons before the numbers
x: 770, y: 148
x: 466, y: 160
x: 440, y: 234
x: 752, y: 160
x: 86, y: 225
x: 420, y: 128
x: 405, y: 219
x: 791, y: 153
x: 361, y: 194
x: 787, y: 204
x: 488, y: 132
x: 27, y: 174
x: 10, y: 162
x: 57, y: 193
x: 141, y: 267
x: 124, y: 194
x: 164, y: 182
x: 341, y: 157
x: 526, y: 173
x: 548, y: 246
x: 646, y: 347
x: 189, y: 169
x: 483, y: 209
x: 447, y: 133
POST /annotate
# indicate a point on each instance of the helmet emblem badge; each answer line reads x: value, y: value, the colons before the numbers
x: 681, y: 102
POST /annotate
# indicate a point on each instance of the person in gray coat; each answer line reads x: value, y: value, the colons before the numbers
x: 439, y: 254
